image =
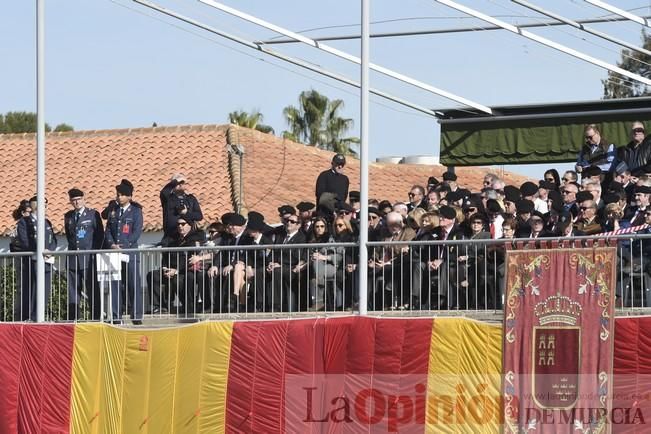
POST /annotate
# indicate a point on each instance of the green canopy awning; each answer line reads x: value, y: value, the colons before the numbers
x: 550, y: 133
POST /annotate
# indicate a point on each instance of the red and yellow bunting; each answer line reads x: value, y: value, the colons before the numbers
x: 315, y: 375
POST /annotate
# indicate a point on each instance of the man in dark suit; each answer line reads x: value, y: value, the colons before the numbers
x: 84, y: 231
x: 446, y: 262
x: 256, y: 260
x: 284, y: 268
x: 123, y: 230
x: 26, y: 240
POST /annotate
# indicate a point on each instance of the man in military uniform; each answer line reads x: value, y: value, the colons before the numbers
x: 123, y: 230
x: 178, y: 203
x: 26, y: 240
x: 84, y: 231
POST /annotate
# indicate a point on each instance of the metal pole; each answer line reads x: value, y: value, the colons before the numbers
x: 363, y: 159
x: 294, y: 61
x: 620, y: 12
x: 40, y: 160
x: 581, y: 27
x: 560, y: 47
x: 442, y: 31
x: 344, y: 55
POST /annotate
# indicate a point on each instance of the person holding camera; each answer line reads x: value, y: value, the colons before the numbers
x: 178, y: 203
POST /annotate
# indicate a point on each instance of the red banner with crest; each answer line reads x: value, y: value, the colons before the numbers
x: 558, y: 340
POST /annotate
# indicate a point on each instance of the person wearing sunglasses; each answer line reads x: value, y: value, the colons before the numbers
x: 596, y: 151
x: 551, y: 175
x: 588, y: 221
x: 176, y: 277
x: 285, y: 268
x: 637, y: 153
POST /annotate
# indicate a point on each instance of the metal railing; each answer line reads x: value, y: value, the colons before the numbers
x: 167, y: 285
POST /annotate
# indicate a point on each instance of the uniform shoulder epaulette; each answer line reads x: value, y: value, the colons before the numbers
x: 136, y: 204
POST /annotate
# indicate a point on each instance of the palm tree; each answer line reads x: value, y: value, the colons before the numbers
x: 316, y: 122
x: 249, y: 120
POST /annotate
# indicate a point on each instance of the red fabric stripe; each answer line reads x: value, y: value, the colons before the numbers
x: 35, y: 375
x: 632, y: 371
x: 10, y: 336
x: 359, y: 350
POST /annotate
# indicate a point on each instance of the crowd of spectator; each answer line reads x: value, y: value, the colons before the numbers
x: 309, y: 261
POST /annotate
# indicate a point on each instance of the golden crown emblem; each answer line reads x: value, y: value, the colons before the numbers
x: 558, y: 309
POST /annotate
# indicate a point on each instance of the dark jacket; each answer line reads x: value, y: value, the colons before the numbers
x: 636, y: 157
x: 289, y: 257
x: 26, y: 235
x: 83, y: 232
x: 124, y: 230
x: 179, y: 260
x: 332, y: 182
x: 172, y: 205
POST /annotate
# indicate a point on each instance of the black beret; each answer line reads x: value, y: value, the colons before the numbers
x: 493, y: 206
x: 339, y: 159
x: 226, y: 218
x: 254, y: 215
x: 638, y: 172
x: 479, y: 216
x: 547, y: 185
x: 449, y: 176
x: 125, y: 188
x: 512, y: 193
x: 465, y: 193
x: 343, y: 206
x: 237, y: 220
x: 374, y: 210
x: 286, y: 209
x: 432, y: 181
x: 524, y: 206
x: 385, y: 204
x: 538, y: 214
x: 354, y: 196
x: 584, y: 195
x: 448, y: 212
x: 75, y: 192
x: 528, y: 189
x: 643, y: 189
x: 610, y: 198
x: 454, y: 196
x: 591, y: 171
x: 304, y: 206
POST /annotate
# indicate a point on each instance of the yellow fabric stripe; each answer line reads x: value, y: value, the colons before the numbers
x: 463, y: 391
x: 150, y: 381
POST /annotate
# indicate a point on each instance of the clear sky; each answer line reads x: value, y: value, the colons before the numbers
x: 116, y: 64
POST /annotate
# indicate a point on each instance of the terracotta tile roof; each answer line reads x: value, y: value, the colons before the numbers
x: 95, y: 161
x: 276, y: 171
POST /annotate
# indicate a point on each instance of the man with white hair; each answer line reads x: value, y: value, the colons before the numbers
x: 390, y: 265
x: 178, y: 203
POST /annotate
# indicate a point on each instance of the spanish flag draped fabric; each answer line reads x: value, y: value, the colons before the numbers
x: 340, y: 375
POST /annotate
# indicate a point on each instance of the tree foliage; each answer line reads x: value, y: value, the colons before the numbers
x: 618, y: 86
x: 251, y: 120
x: 317, y: 122
x: 25, y: 122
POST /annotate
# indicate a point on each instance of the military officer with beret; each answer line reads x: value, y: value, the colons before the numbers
x: 123, y: 230
x: 85, y: 231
